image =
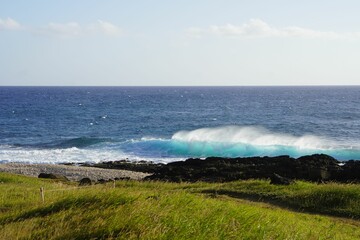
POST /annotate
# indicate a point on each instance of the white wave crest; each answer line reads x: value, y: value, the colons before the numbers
x: 152, y: 139
x: 74, y: 155
x: 252, y: 135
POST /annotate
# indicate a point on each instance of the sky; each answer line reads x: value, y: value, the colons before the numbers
x: 177, y: 43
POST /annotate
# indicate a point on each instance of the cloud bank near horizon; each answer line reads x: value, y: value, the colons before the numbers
x: 257, y: 28
x: 70, y: 29
x: 74, y: 29
x: 254, y: 28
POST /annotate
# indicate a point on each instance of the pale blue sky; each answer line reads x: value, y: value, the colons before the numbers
x: 228, y: 42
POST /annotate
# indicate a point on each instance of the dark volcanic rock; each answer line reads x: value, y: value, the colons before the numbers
x: 139, y: 166
x: 350, y: 172
x: 101, y: 181
x: 214, y: 169
x: 279, y: 180
x: 53, y: 176
x: 85, y: 182
x: 317, y: 167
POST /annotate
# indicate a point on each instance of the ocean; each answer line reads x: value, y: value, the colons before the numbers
x: 164, y: 124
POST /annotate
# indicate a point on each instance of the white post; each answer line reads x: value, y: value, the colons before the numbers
x: 42, y: 194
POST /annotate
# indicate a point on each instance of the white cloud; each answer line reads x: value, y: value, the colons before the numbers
x: 254, y: 27
x: 66, y: 30
x: 9, y: 24
x: 74, y: 29
x: 258, y: 28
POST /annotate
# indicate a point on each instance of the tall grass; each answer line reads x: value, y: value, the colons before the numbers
x: 330, y: 198
x: 155, y: 210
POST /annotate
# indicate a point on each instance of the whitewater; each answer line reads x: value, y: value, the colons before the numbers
x: 164, y: 124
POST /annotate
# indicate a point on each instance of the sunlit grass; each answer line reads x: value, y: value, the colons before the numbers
x: 157, y: 210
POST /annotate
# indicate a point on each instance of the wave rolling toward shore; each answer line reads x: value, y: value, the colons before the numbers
x: 225, y: 141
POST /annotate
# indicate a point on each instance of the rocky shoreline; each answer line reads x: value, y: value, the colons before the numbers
x: 316, y: 168
x: 73, y: 173
x: 280, y: 169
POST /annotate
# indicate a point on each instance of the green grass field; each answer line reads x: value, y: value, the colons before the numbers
x: 250, y: 209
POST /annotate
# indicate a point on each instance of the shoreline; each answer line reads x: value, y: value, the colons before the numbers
x: 314, y: 168
x: 72, y: 172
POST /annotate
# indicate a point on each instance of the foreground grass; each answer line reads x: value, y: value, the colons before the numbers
x: 331, y: 198
x: 155, y: 210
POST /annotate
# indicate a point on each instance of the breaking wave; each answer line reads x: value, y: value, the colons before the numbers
x: 226, y: 141
x: 247, y: 141
x: 237, y: 141
x: 251, y: 135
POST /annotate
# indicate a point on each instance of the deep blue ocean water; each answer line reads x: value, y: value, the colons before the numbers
x: 79, y: 124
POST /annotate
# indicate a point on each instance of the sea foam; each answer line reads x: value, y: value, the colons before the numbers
x: 61, y: 155
x: 248, y: 141
x: 252, y: 135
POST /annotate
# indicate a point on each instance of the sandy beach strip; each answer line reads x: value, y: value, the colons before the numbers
x: 73, y: 173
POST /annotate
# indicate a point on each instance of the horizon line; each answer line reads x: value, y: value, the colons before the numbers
x: 320, y: 85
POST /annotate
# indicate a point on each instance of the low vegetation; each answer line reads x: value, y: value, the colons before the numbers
x: 331, y: 198
x: 251, y: 209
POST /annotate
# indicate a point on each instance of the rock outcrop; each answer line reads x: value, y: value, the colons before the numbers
x: 53, y: 176
x: 85, y: 182
x: 317, y: 167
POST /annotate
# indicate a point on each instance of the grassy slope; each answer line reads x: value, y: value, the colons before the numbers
x: 154, y: 210
x: 331, y: 198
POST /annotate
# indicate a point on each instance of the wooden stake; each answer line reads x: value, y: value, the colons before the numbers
x: 42, y: 194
